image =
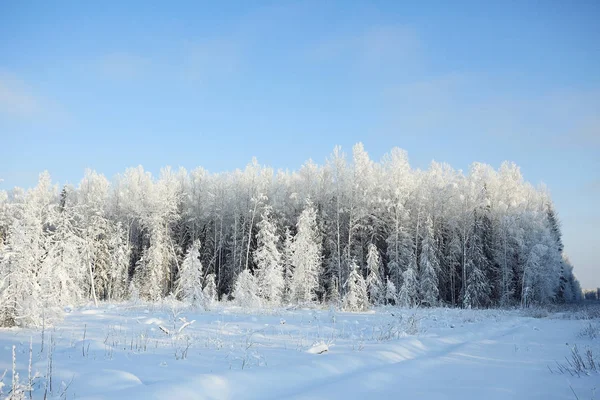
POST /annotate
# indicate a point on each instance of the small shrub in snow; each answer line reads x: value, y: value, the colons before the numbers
x: 411, y: 325
x: 535, y: 312
x: 2, y: 384
x: 590, y: 331
x: 389, y: 331
x: 578, y: 364
x: 17, y: 389
x: 398, y: 326
x: 590, y: 312
x: 575, y: 311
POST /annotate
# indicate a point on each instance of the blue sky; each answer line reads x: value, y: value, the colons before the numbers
x: 109, y: 85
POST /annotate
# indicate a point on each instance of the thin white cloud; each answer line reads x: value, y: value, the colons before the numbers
x: 210, y: 58
x: 425, y: 106
x: 196, y: 61
x: 20, y: 102
x: 123, y: 65
x: 467, y: 103
x: 16, y: 99
x: 383, y: 44
x: 377, y: 46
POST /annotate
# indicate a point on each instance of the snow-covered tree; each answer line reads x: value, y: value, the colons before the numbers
x: 374, y: 285
x: 306, y: 257
x: 268, y: 259
x: 210, y: 289
x: 119, y: 261
x: 337, y: 172
x: 157, y: 213
x: 153, y: 267
x: 288, y: 268
x: 477, y: 289
x: 399, y: 183
x: 333, y: 295
x: 428, y: 280
x: 356, y: 298
x: 93, y: 194
x: 479, y: 239
x: 360, y: 210
x: 409, y: 291
x: 190, y: 282
x: 245, y: 292
x: 27, y: 294
x: 391, y: 293
x: 63, y: 258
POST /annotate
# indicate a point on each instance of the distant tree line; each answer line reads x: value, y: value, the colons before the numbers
x: 592, y: 294
x: 350, y: 232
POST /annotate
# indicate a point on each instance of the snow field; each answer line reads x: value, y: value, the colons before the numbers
x: 129, y: 351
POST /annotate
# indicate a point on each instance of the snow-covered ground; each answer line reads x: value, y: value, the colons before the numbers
x: 131, y: 351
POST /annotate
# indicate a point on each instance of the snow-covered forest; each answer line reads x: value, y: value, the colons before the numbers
x: 353, y: 232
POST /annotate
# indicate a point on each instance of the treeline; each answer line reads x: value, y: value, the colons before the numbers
x: 591, y: 294
x: 355, y: 232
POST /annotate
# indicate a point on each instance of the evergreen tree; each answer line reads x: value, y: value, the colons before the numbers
x: 409, y: 295
x: 245, y: 291
x: 564, y: 293
x: 333, y: 297
x: 210, y: 289
x: 288, y: 268
x: 64, y: 250
x: 268, y: 261
x: 391, y: 293
x: 119, y: 256
x: 356, y: 298
x: 374, y: 285
x: 306, y: 257
x: 399, y: 252
x: 478, y: 289
x: 153, y: 267
x: 190, y: 281
x: 428, y: 280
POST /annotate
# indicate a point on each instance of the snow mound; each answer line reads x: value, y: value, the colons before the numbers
x: 153, y: 321
x: 102, y: 380
x: 92, y: 312
x: 319, y: 348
